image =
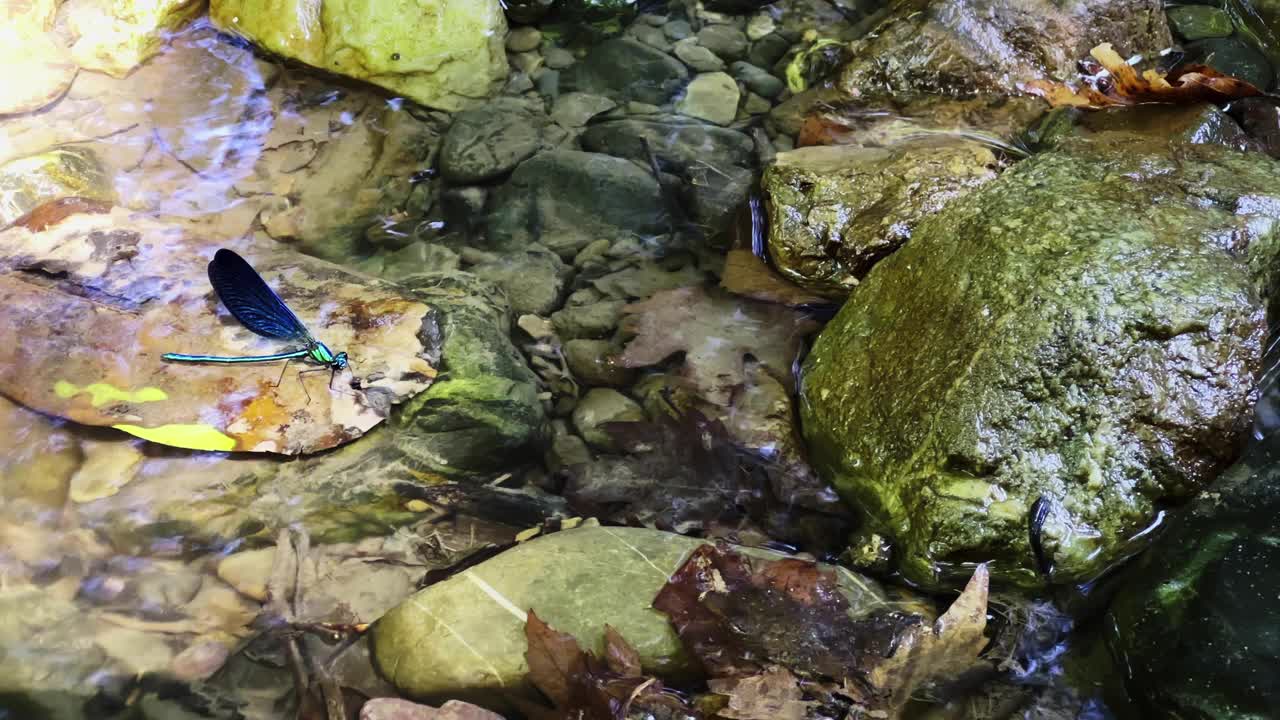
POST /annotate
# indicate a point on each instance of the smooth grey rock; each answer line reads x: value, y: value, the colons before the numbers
x: 697, y: 57
x: 757, y: 80
x: 627, y: 69
x: 490, y: 140
x: 727, y: 41
x: 566, y: 199
x: 600, y: 406
x: 712, y: 97
x: 576, y: 108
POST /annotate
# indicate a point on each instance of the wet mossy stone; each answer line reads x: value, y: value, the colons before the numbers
x: 490, y: 140
x: 677, y: 142
x: 1087, y: 328
x: 1198, y: 124
x: 1194, y: 22
x: 466, y: 634
x: 567, y: 199
x: 482, y: 413
x: 1196, y: 624
x: 1233, y: 57
x: 628, y: 70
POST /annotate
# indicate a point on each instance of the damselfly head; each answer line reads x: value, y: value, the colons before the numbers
x: 340, y: 361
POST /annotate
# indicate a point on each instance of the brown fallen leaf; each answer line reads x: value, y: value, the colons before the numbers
x: 774, y: 694
x: 748, y: 621
x: 947, y: 649
x: 716, y: 332
x: 1189, y: 83
x: 747, y: 275
x: 584, y: 687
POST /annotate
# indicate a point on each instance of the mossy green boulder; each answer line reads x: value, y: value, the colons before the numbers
x: 438, y: 53
x: 835, y: 211
x: 1085, y: 329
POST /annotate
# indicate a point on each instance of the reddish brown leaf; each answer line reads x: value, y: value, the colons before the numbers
x: 772, y: 695
x: 555, y: 660
x: 1124, y: 86
x: 621, y: 657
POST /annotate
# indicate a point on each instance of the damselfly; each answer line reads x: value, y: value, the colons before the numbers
x: 243, y: 291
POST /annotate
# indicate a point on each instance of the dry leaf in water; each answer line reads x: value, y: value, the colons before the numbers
x: 747, y: 275
x: 1123, y: 85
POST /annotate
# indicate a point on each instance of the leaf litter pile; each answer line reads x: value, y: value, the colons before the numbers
x: 1114, y: 82
x: 775, y: 641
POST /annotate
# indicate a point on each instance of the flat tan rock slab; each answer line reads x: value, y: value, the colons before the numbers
x: 92, y: 303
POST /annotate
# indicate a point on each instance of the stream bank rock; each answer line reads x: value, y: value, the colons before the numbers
x: 466, y: 633
x: 1195, y: 625
x: 114, y: 36
x: 835, y: 211
x: 440, y: 54
x: 134, y: 289
x: 966, y: 48
x: 39, y: 69
x: 1054, y: 335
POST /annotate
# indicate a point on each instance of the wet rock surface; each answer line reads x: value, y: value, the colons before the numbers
x: 440, y: 54
x: 836, y: 211
x: 1048, y: 311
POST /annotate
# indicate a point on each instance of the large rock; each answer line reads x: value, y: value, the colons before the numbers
x: 1054, y: 335
x: 467, y: 633
x: 989, y: 47
x: 678, y: 143
x: 835, y: 211
x: 490, y: 140
x: 114, y: 36
x: 566, y: 199
x: 38, y: 69
x: 1195, y: 627
x: 627, y: 69
x: 441, y: 54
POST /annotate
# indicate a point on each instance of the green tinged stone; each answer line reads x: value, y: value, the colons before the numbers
x: 26, y: 183
x: 1086, y: 328
x: 466, y: 634
x: 1194, y: 22
x: 482, y: 412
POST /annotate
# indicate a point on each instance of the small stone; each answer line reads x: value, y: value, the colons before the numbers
x: 768, y: 50
x: 527, y: 62
x: 651, y: 36
x: 783, y: 143
x: 697, y: 57
x: 1260, y: 118
x: 248, y: 572
x: 594, y: 252
x: 524, y: 39
x: 712, y: 97
x: 590, y: 361
x: 678, y: 29
x: 202, y: 658
x: 756, y: 105
x: 759, y: 25
x: 538, y: 328
x: 576, y: 108
x: 417, y: 506
x: 652, y: 19
x: 600, y: 406
x: 727, y: 41
x: 1194, y: 22
x: 567, y: 449
x: 588, y: 321
x: 639, y: 108
x: 558, y: 58
x: 517, y: 84
x: 757, y: 80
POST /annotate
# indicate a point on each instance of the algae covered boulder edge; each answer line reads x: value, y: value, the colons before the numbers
x: 1085, y: 329
x: 438, y: 53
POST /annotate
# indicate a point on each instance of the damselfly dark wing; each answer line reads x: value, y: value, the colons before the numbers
x: 257, y: 307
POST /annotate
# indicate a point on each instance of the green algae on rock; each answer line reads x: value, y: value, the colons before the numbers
x: 1086, y: 329
x: 466, y: 633
x: 484, y: 411
x: 835, y: 211
x: 440, y: 54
